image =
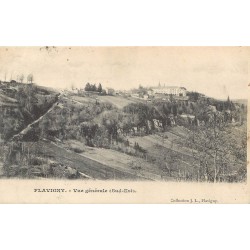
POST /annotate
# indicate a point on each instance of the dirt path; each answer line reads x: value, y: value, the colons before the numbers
x: 25, y: 130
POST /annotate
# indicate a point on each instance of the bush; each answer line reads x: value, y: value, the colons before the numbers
x: 37, y: 161
x: 77, y: 150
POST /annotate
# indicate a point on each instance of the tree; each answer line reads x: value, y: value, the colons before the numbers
x: 30, y: 78
x: 99, y: 89
x: 21, y: 78
x: 228, y: 103
x: 171, y: 160
x: 212, y: 149
x: 193, y: 96
x: 242, y: 107
x: 87, y: 87
x: 171, y: 98
x: 175, y: 110
x: 94, y: 88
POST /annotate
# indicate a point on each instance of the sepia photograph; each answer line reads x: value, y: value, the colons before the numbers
x: 124, y: 124
x: 136, y: 114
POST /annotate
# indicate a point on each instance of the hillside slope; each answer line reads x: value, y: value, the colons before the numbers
x: 68, y: 136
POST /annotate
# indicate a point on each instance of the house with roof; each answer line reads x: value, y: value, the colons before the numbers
x: 168, y: 90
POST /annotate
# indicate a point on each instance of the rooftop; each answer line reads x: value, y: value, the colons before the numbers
x: 168, y: 87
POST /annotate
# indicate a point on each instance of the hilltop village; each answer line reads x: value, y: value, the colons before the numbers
x: 147, y: 93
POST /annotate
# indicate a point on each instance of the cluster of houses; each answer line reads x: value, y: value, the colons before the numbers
x: 168, y: 90
x: 157, y: 92
x: 162, y: 92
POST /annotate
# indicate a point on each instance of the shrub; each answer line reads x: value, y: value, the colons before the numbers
x: 77, y: 150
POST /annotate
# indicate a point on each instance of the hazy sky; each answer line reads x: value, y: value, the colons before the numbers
x: 214, y: 71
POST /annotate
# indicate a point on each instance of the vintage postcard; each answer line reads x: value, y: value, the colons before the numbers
x: 124, y: 125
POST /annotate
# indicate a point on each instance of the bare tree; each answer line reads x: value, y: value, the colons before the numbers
x: 30, y: 78
x: 21, y: 78
x: 211, y: 148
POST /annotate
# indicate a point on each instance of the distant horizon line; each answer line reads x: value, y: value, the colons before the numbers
x: 121, y: 89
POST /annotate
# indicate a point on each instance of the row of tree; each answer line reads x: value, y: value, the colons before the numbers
x: 93, y: 87
x: 20, y: 78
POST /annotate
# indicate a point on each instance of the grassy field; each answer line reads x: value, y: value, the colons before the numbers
x: 166, y: 147
x: 170, y: 140
x: 83, y: 99
x: 89, y: 166
x: 120, y: 161
x: 117, y: 101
